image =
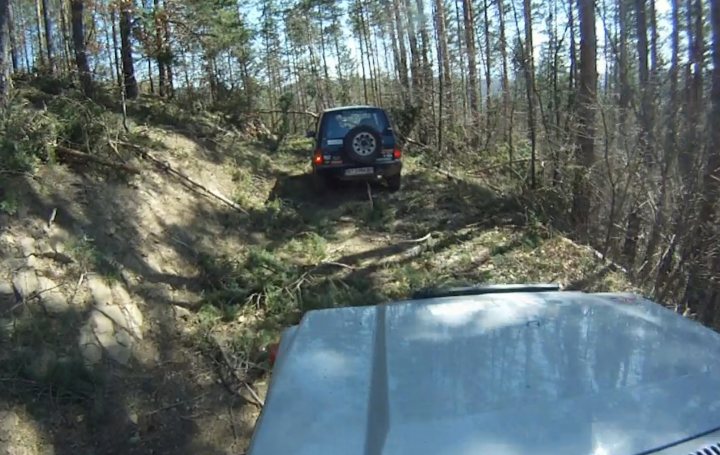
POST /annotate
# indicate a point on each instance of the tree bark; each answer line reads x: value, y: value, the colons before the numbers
x: 703, y: 290
x: 424, y: 43
x: 625, y: 91
x: 529, y: 67
x: 399, y: 30
x: 81, y: 60
x: 128, y: 66
x: 38, y: 23
x: 5, y: 81
x: 167, y: 53
x: 472, y: 88
x: 670, y: 148
x: 11, y: 37
x: 66, y: 40
x: 585, y: 149
x: 488, y: 74
x: 116, y: 56
x: 415, y: 65
x: 505, y: 79
x: 49, y: 43
x: 443, y: 56
x: 694, y: 82
x: 159, y: 49
x: 647, y: 140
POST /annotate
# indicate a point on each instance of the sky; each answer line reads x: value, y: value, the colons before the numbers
x: 540, y: 37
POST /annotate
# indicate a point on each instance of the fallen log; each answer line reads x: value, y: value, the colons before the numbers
x: 78, y: 156
x: 165, y: 166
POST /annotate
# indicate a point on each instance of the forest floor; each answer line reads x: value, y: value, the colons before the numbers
x: 135, y: 310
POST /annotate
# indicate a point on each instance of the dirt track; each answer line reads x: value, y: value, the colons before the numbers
x: 176, y: 253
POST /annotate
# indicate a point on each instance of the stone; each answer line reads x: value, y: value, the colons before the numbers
x: 115, y: 303
x: 119, y: 353
x: 181, y: 313
x: 8, y: 424
x: 100, y: 323
x: 114, y: 340
x: 123, y: 338
x: 89, y: 346
x: 52, y: 297
x: 115, y: 321
x: 7, y: 295
x: 26, y: 283
x: 27, y: 246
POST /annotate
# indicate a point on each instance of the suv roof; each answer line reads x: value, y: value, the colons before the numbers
x: 348, y: 108
x: 512, y: 373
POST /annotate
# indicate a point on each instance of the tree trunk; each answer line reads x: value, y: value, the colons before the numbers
x: 40, y: 42
x: 488, y: 74
x: 5, y: 81
x: 696, y: 49
x: 703, y: 289
x: 66, y: 40
x: 472, y: 88
x: 399, y: 29
x: 167, y: 53
x: 151, y: 81
x: 48, y: 36
x: 572, y: 79
x: 646, y: 140
x: 529, y: 66
x: 585, y: 149
x: 632, y: 233
x: 461, y: 53
x: 443, y: 56
x: 11, y: 37
x: 505, y: 79
x: 670, y: 147
x: 622, y: 58
x: 81, y: 60
x: 116, y: 56
x: 128, y: 66
x: 415, y: 66
x: 159, y: 49
x: 424, y: 44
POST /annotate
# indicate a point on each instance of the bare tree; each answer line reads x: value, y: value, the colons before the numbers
x: 472, y: 88
x: 78, y: 32
x: 49, y: 42
x: 587, y: 88
x: 128, y: 68
x: 5, y: 81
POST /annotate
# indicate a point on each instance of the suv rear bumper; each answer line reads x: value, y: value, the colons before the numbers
x: 380, y: 170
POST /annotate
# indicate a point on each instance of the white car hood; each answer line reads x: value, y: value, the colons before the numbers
x: 541, y: 373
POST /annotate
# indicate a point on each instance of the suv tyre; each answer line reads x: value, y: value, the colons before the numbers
x: 362, y: 144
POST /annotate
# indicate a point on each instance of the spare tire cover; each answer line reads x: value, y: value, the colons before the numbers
x: 362, y: 144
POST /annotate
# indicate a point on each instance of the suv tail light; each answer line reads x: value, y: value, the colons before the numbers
x: 397, y: 154
x: 318, y: 157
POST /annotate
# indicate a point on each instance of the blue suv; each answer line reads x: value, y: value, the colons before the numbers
x: 355, y: 143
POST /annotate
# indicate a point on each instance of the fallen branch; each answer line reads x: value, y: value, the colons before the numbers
x: 497, y: 166
x: 422, y: 239
x: 165, y: 166
x: 412, y: 141
x: 277, y: 111
x: 238, y: 377
x: 338, y: 264
x: 449, y: 174
x: 78, y: 156
x: 370, y: 198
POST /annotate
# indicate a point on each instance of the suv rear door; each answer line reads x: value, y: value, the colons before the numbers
x: 335, y: 124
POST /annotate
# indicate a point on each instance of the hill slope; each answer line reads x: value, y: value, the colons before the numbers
x: 135, y: 309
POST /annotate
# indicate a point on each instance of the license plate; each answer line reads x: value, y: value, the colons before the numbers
x: 360, y: 171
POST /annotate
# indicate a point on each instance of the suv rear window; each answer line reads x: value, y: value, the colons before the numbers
x: 337, y: 124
